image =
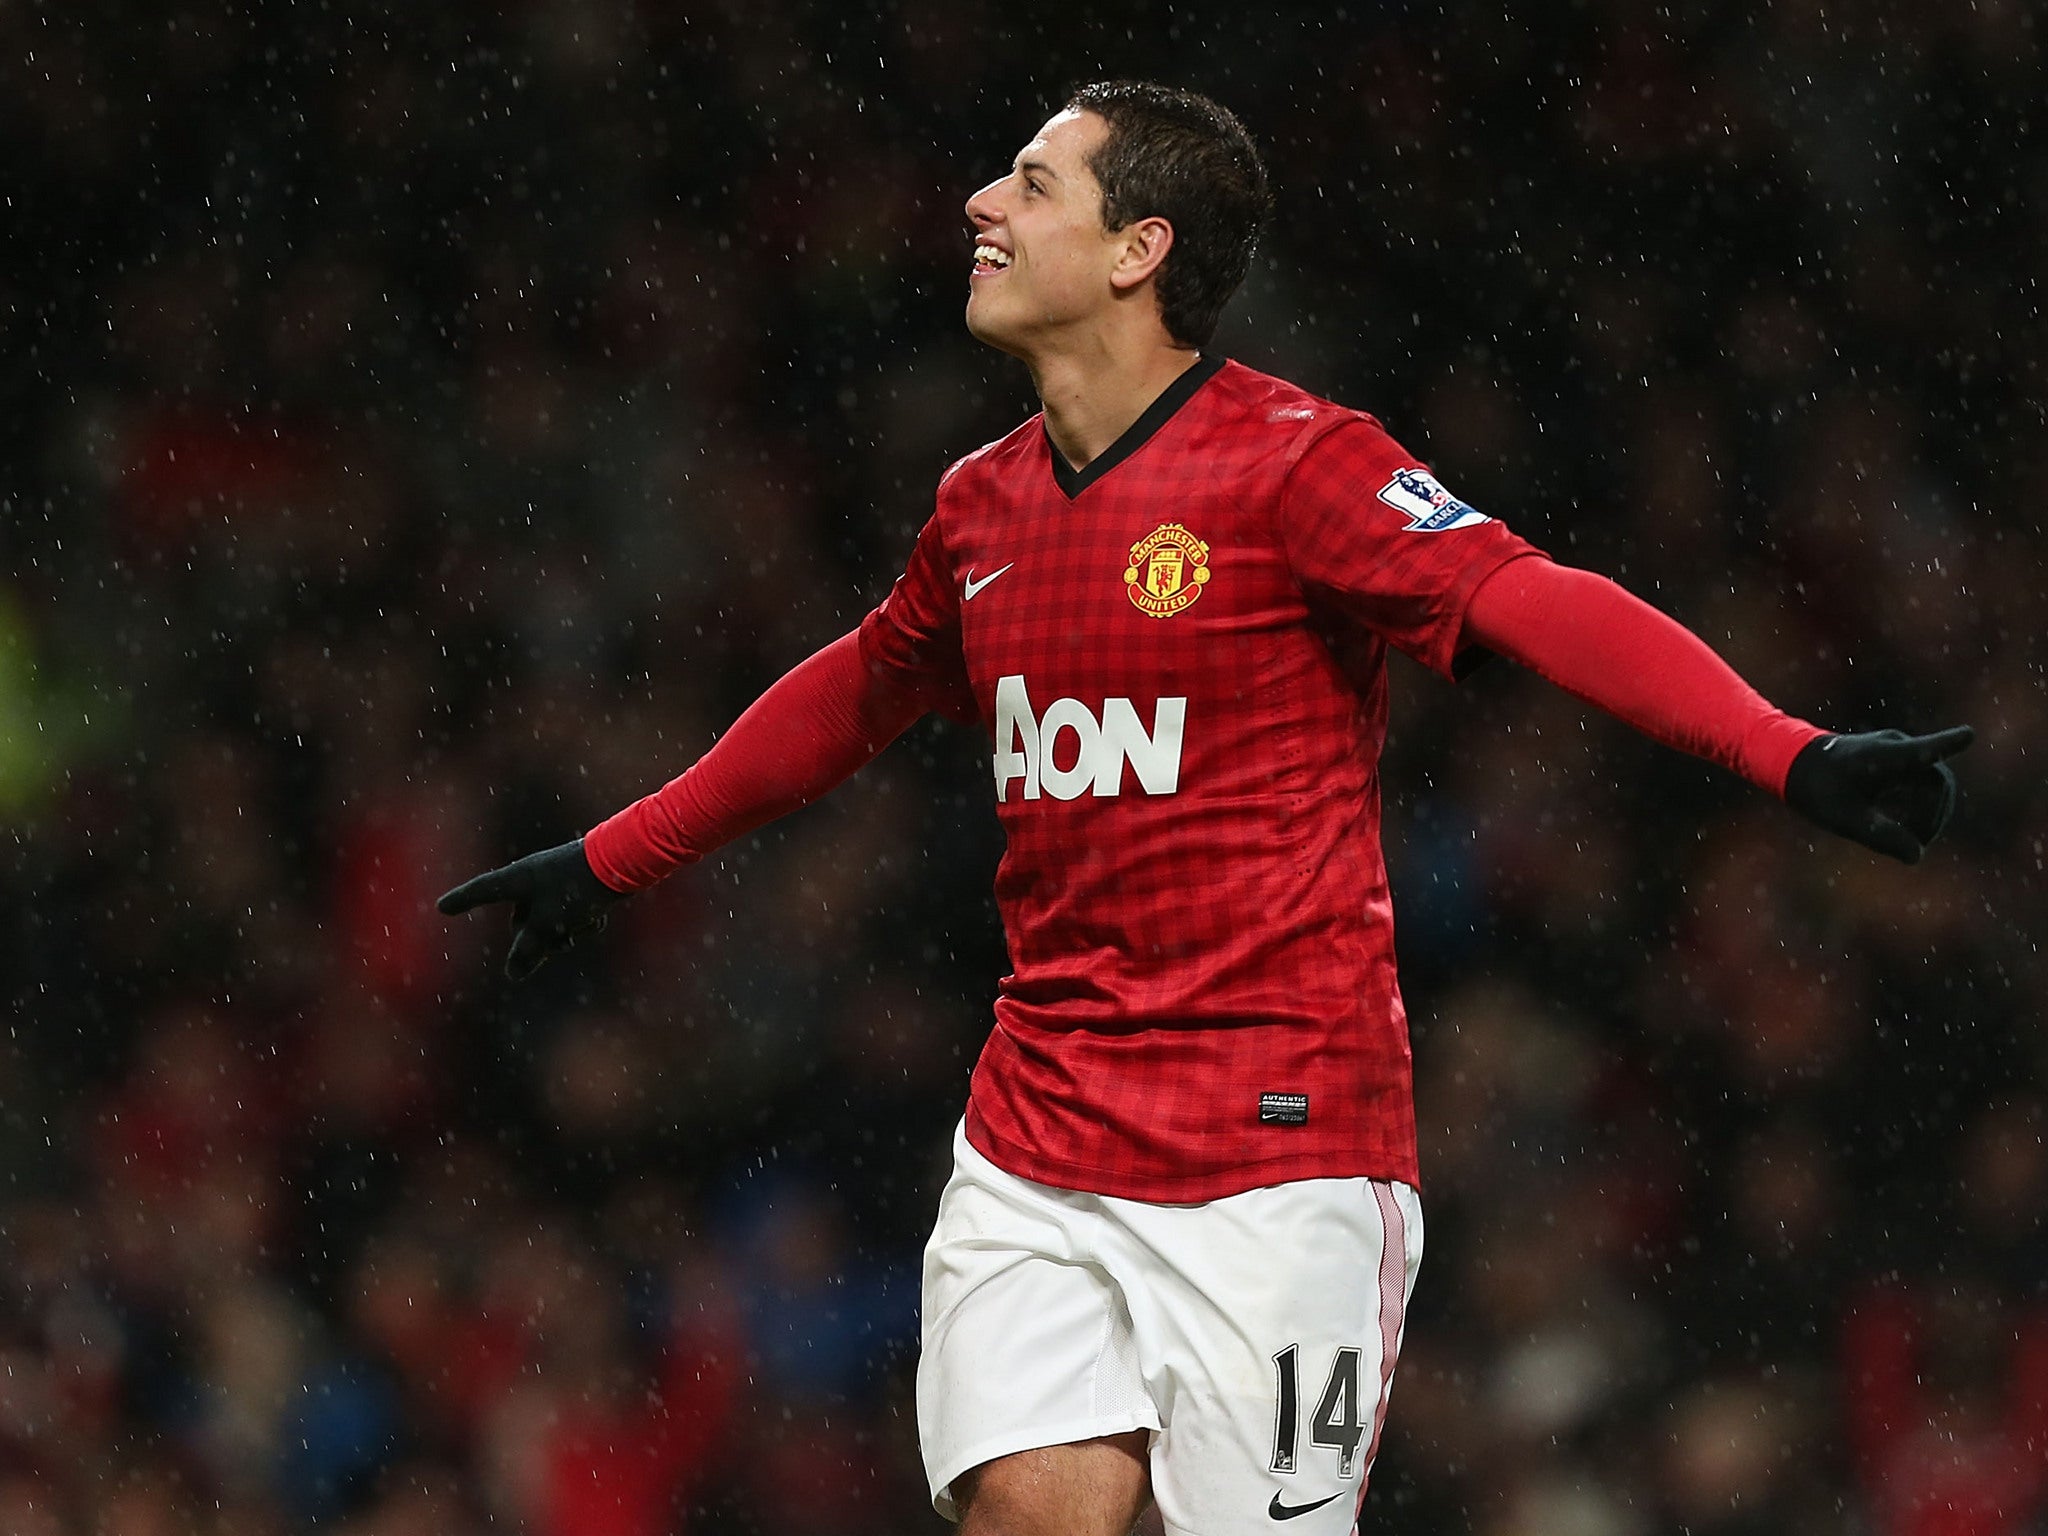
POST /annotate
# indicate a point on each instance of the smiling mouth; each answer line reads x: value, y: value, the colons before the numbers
x: 988, y: 261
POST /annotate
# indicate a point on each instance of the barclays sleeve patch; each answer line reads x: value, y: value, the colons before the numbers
x: 1428, y: 507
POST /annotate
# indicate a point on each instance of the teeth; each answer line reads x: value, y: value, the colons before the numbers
x: 988, y: 255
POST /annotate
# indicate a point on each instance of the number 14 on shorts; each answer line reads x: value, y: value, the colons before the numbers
x: 1336, y: 1422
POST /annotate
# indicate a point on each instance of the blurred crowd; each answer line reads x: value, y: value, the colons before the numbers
x: 426, y: 427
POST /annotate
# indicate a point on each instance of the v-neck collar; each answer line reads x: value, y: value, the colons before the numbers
x: 1072, y: 482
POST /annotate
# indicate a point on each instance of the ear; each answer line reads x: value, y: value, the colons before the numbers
x: 1145, y: 244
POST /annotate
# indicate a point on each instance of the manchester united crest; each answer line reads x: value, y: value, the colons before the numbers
x: 1168, y: 569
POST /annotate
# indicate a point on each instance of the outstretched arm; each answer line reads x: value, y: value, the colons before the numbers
x: 1886, y: 790
x: 1596, y: 640
x: 811, y: 729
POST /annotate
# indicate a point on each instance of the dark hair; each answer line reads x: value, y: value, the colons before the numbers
x: 1174, y: 155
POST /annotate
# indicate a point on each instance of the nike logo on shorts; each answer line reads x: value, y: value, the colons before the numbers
x: 1278, y: 1511
x: 974, y: 586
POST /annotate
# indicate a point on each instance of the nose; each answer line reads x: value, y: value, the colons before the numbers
x: 981, y: 208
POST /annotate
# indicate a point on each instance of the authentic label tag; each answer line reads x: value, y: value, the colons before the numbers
x: 1283, y: 1109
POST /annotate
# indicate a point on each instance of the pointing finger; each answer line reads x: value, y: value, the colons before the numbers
x: 1932, y: 749
x: 487, y: 887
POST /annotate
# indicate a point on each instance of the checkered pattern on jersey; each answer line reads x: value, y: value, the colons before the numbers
x: 1186, y: 943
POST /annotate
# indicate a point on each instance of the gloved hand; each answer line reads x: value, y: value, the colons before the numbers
x: 555, y: 899
x: 1884, y: 789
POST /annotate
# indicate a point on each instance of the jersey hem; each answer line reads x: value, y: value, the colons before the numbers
x: 1191, y: 1189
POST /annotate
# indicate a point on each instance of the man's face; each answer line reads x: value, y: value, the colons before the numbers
x: 1052, y: 259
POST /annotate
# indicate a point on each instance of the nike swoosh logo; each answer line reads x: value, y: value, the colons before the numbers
x: 1278, y: 1511
x: 974, y: 586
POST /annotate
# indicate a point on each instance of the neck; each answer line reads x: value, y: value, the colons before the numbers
x: 1092, y: 396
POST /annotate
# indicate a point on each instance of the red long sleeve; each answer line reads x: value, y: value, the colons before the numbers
x: 1595, y: 640
x: 817, y: 724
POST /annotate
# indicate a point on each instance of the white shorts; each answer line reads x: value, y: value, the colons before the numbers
x: 1255, y: 1336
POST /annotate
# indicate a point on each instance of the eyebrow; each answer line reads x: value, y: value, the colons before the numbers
x: 1038, y: 165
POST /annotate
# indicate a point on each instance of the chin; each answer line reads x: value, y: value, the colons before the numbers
x: 989, y: 330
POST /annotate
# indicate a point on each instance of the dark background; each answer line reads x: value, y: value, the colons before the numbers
x: 423, y: 427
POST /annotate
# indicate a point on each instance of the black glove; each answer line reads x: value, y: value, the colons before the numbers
x: 555, y: 898
x: 1883, y: 789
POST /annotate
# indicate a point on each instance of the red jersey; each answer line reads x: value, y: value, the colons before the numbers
x: 1179, y: 653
